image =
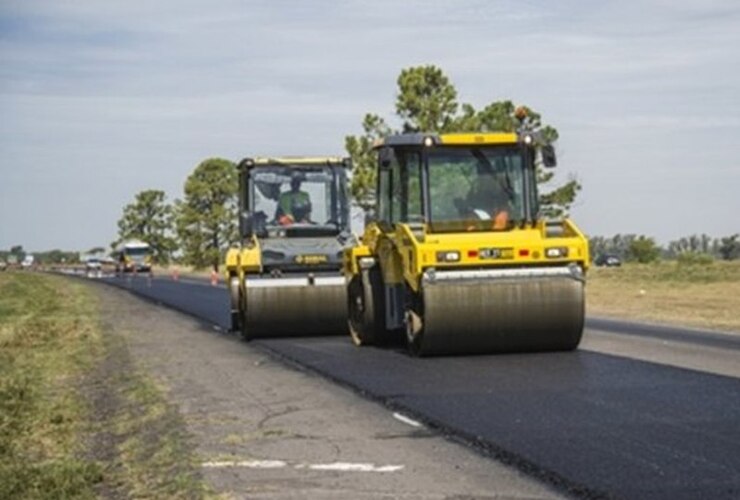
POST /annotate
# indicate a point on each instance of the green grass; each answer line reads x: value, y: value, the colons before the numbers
x: 48, y: 338
x: 77, y: 419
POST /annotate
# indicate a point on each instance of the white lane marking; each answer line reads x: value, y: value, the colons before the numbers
x: 250, y: 464
x: 279, y: 464
x: 350, y: 467
x: 407, y: 420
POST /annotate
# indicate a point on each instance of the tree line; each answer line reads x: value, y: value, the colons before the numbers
x: 696, y: 248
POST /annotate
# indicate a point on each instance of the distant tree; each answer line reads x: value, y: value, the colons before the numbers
x: 643, y: 249
x: 427, y: 102
x: 150, y: 219
x: 18, y: 252
x: 206, y: 219
x: 360, y: 149
x: 729, y: 247
x: 57, y: 256
x: 618, y: 245
x: 96, y: 250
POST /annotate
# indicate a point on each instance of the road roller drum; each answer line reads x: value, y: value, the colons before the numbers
x: 498, y: 311
x: 280, y: 307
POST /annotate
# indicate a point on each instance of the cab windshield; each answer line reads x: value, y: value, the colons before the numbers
x: 292, y: 200
x: 477, y: 188
x: 136, y: 251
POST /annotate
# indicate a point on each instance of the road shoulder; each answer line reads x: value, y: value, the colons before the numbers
x: 261, y: 429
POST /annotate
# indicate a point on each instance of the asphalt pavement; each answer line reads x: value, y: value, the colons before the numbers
x: 588, y: 423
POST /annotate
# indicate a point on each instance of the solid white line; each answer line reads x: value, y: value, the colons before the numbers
x: 407, y: 420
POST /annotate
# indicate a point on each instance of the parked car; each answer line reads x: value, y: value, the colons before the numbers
x: 608, y: 260
x: 3, y: 265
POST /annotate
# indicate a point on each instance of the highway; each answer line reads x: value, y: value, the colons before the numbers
x: 592, y: 423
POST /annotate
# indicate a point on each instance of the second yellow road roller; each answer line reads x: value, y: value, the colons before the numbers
x: 285, y: 278
x: 459, y: 259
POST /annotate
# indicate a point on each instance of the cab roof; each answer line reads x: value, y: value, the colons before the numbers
x: 457, y: 139
x: 295, y: 161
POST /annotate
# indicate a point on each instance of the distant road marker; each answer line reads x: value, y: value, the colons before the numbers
x: 406, y: 420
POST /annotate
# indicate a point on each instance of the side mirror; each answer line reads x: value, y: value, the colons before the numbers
x: 548, y: 156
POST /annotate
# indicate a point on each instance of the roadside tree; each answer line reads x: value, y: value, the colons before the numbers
x: 729, y: 247
x: 206, y: 219
x: 18, y: 253
x: 427, y: 102
x: 150, y: 219
x: 643, y: 250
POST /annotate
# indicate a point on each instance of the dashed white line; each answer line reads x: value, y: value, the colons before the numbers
x: 406, y: 420
x: 250, y: 464
x: 355, y: 467
x: 279, y: 464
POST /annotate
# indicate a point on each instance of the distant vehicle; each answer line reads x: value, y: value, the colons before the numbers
x: 28, y: 261
x: 3, y: 265
x: 133, y: 256
x: 606, y: 260
x: 94, y: 268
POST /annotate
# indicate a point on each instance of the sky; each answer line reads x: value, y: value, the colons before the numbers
x: 100, y: 100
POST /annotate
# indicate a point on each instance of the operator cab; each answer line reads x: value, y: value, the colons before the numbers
x: 294, y: 198
x: 460, y: 182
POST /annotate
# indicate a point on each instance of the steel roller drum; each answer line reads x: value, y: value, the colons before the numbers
x: 502, y: 310
x: 282, y: 307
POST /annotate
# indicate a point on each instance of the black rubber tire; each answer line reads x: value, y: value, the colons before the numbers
x: 366, y: 307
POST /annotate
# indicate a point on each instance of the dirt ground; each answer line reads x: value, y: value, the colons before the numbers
x: 256, y: 428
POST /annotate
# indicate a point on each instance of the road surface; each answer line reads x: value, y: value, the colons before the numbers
x: 638, y: 411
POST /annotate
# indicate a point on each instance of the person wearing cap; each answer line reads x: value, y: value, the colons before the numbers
x: 294, y: 205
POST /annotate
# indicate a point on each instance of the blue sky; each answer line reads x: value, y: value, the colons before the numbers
x: 99, y: 100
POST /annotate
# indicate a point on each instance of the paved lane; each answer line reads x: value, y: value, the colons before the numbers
x: 594, y: 424
x: 197, y: 298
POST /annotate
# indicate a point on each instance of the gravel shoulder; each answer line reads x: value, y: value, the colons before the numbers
x: 261, y: 429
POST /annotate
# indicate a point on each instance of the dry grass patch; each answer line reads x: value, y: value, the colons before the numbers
x: 702, y: 295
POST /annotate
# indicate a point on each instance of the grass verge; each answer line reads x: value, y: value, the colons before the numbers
x: 76, y: 419
x: 48, y: 339
x: 698, y: 294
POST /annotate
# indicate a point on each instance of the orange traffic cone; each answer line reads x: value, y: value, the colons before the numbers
x: 214, y: 278
x: 175, y: 275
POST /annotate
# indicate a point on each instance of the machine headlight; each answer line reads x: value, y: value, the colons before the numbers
x: 448, y: 256
x: 556, y: 252
x: 366, y: 262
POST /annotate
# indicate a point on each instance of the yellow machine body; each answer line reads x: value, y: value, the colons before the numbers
x: 468, y: 288
x: 285, y: 280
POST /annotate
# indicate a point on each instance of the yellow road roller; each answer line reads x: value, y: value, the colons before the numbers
x: 459, y: 259
x: 285, y: 278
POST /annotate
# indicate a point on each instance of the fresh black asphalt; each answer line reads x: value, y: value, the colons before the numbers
x: 592, y: 424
